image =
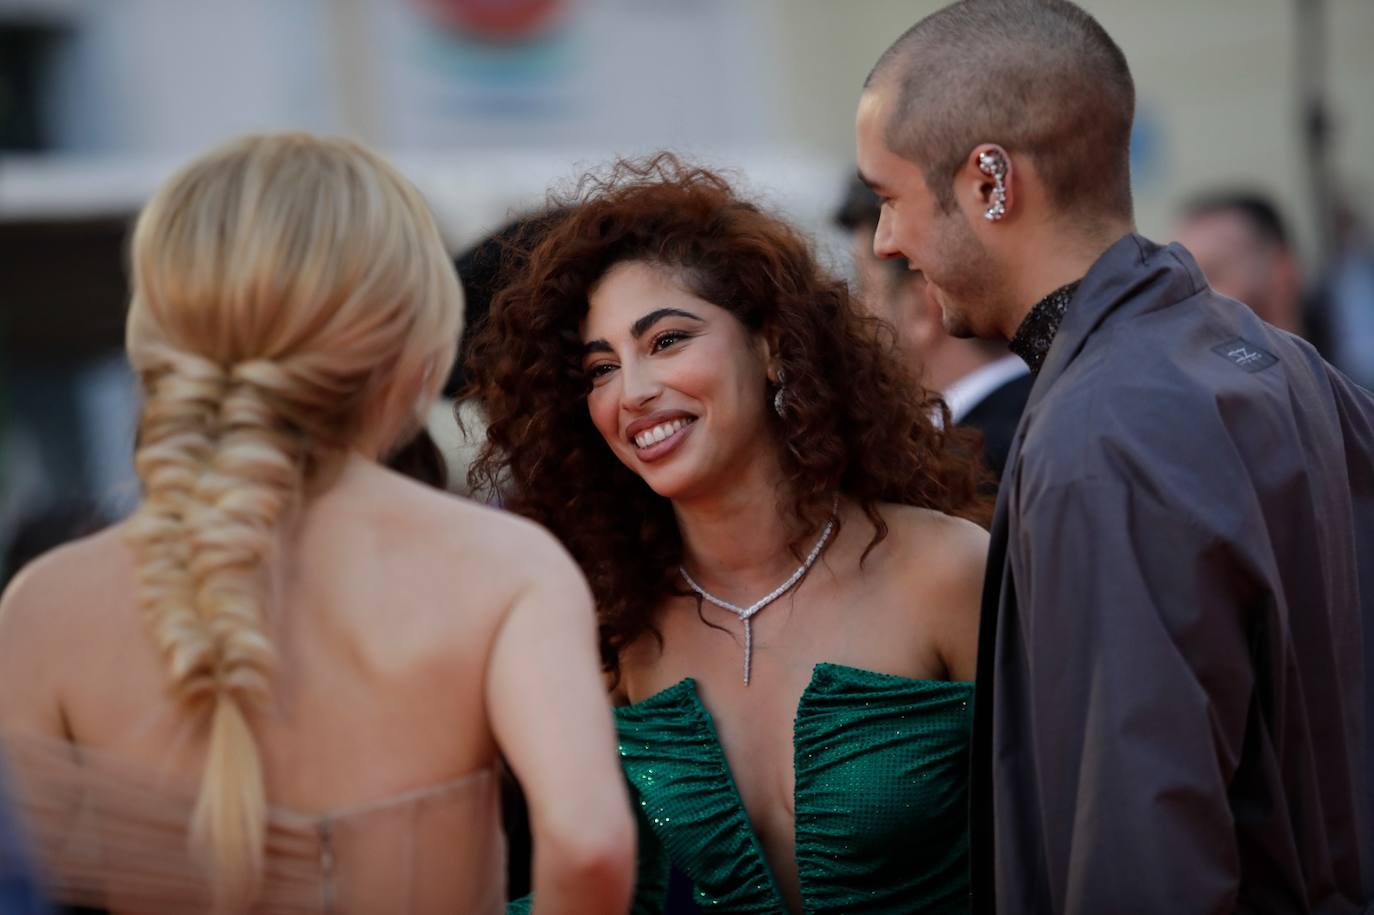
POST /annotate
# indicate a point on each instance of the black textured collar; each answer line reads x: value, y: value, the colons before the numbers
x: 1036, y: 333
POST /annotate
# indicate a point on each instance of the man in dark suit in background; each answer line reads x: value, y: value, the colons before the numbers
x: 1169, y: 715
x: 984, y: 386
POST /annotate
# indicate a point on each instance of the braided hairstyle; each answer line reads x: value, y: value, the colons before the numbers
x: 292, y: 301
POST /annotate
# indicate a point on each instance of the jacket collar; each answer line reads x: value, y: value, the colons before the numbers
x: 1134, y: 272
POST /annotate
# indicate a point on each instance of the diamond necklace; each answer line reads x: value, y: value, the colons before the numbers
x: 746, y: 614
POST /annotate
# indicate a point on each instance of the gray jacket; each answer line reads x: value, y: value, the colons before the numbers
x: 1170, y: 707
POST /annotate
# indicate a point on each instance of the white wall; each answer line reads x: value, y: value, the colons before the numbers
x: 170, y: 77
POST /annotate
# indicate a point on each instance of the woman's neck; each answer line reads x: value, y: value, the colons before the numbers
x: 736, y: 543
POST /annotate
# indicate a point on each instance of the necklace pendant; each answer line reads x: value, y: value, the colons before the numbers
x: 748, y: 648
x: 746, y: 614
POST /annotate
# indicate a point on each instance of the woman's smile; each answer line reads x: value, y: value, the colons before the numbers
x: 659, y: 360
x: 656, y: 436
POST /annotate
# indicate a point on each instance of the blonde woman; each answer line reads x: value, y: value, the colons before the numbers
x: 284, y: 684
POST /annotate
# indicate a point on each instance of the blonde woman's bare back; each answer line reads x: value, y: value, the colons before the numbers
x: 414, y: 632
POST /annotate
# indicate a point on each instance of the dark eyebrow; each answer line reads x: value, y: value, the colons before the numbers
x: 638, y: 328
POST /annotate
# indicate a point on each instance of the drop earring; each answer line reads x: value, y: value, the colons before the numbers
x: 779, y: 403
x: 993, y: 164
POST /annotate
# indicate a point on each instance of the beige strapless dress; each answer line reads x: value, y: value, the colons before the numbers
x: 108, y: 837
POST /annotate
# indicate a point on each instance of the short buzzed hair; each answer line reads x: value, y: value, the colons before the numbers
x: 1038, y: 77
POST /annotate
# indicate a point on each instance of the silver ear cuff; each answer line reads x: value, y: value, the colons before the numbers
x: 993, y: 164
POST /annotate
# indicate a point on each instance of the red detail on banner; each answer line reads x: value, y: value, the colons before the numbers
x: 498, y: 20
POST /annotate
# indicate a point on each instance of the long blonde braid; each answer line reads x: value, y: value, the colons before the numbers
x: 286, y: 289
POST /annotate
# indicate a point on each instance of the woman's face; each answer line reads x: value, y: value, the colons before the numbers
x: 679, y: 386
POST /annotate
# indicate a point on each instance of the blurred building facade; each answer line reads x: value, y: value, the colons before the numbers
x: 487, y: 104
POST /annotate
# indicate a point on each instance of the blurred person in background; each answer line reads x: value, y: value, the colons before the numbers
x: 1348, y: 299
x: 984, y: 386
x: 1241, y: 243
x: 483, y: 270
x: 37, y: 513
x: 771, y: 523
x: 23, y: 496
x: 1169, y: 712
x: 302, y: 661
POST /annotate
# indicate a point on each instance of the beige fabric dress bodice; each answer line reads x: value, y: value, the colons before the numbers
x: 109, y: 837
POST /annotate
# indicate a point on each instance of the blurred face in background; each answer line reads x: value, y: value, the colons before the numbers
x: 1245, y: 266
x: 870, y: 272
x: 895, y: 295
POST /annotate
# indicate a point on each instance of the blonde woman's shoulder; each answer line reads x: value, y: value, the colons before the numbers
x: 54, y: 611
x: 77, y: 578
x: 505, y: 540
x: 489, y: 550
x: 482, y: 531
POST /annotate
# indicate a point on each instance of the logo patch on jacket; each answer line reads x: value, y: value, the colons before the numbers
x: 1246, y: 355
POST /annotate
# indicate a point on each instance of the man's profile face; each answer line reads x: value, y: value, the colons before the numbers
x: 957, y: 268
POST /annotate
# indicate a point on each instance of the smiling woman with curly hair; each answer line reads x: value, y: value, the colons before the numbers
x: 775, y: 524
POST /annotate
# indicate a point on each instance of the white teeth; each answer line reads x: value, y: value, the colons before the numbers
x: 659, y: 433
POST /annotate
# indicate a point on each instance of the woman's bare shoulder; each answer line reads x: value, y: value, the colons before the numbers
x: 942, y: 545
x: 501, y: 540
x: 75, y: 580
x: 940, y: 562
x: 54, y: 614
x: 458, y: 546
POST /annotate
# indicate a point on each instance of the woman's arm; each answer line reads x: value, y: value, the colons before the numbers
x: 960, y: 562
x: 549, y: 711
x: 651, y: 876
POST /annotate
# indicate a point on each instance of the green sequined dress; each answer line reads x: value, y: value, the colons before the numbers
x: 881, y: 798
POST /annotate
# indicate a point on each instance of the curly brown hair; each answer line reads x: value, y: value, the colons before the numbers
x: 857, y: 421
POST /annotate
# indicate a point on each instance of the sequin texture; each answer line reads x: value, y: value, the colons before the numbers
x: 881, y: 796
x: 1036, y: 333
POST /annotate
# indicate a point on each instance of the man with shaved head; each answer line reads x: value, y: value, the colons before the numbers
x: 1170, y: 703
